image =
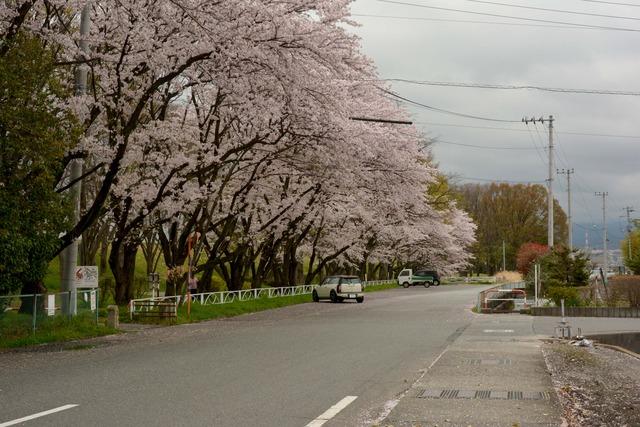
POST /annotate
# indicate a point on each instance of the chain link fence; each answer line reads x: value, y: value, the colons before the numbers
x: 18, y: 311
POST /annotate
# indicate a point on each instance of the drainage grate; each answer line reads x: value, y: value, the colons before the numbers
x: 489, y: 362
x: 483, y: 394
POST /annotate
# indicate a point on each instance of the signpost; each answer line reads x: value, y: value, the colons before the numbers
x: 86, y: 276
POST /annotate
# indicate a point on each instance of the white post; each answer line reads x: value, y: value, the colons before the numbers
x: 535, y: 284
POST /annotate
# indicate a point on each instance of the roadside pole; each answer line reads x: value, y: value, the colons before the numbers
x: 535, y: 283
x: 568, y: 172
x: 549, y: 120
x: 70, y: 254
x: 605, y: 254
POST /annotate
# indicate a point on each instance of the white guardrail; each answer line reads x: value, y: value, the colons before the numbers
x: 225, y: 297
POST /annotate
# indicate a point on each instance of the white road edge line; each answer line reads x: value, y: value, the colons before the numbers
x: 330, y: 413
x: 38, y: 415
x: 390, y: 405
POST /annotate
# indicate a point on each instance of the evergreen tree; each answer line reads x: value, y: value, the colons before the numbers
x: 34, y: 136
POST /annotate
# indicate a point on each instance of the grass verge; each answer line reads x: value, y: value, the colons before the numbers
x: 237, y: 308
x: 378, y: 288
x: 16, y: 329
x: 201, y: 313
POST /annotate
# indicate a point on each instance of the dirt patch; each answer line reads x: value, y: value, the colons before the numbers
x: 596, y: 385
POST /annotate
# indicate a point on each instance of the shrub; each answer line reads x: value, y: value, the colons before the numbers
x: 569, y: 295
x: 528, y: 254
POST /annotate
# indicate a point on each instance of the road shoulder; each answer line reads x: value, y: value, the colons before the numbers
x: 492, y: 374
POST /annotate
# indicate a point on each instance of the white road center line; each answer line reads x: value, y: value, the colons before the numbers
x: 38, y: 415
x: 331, y: 412
x: 498, y: 331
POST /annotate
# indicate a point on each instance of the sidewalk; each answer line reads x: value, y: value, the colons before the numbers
x: 492, y: 374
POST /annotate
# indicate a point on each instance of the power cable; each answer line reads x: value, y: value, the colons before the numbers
x: 462, y: 21
x: 535, y: 144
x: 495, y: 15
x: 517, y: 87
x: 470, y: 178
x: 603, y: 135
x: 440, y: 110
x: 441, y: 141
x: 544, y: 9
x: 612, y: 2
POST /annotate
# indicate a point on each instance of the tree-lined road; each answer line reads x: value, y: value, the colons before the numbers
x: 278, y: 368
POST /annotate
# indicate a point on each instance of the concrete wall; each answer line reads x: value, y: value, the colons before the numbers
x: 587, y: 311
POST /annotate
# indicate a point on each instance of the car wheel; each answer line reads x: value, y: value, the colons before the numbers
x: 426, y: 284
x: 333, y: 296
x: 315, y: 297
x: 405, y: 284
x: 360, y: 300
x: 436, y: 282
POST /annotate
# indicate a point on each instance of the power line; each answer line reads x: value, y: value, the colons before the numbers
x: 495, y: 15
x: 470, y: 178
x: 533, y: 141
x: 611, y: 2
x: 524, y: 130
x: 440, y: 110
x: 441, y: 141
x: 517, y: 87
x: 462, y: 21
x: 544, y: 9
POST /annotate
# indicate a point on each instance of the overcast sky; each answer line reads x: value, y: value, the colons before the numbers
x: 495, y: 54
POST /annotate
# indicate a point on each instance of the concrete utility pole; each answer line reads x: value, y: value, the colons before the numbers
x: 550, y: 120
x: 629, y: 209
x: 568, y: 172
x: 605, y: 255
x: 504, y: 256
x: 70, y: 255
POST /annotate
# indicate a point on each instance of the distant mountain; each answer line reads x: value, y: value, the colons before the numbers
x: 616, y: 231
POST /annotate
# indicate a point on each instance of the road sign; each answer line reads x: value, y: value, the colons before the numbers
x: 86, y: 276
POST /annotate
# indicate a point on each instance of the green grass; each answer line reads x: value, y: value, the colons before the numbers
x: 378, y: 288
x: 16, y: 329
x: 237, y: 308
x: 201, y: 313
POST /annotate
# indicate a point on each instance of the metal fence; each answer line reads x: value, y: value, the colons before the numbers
x: 503, y: 298
x: 41, y: 308
x: 139, y: 305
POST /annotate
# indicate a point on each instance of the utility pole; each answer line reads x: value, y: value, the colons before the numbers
x: 549, y: 120
x: 629, y: 209
x: 605, y: 255
x: 569, y: 172
x: 70, y: 256
x: 504, y: 256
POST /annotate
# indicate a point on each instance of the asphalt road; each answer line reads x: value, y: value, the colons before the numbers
x: 281, y: 368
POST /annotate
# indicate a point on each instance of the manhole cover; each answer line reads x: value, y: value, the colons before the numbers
x: 484, y: 394
x: 489, y: 362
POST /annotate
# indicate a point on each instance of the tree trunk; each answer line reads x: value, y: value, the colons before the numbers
x: 206, y: 280
x: 122, y: 261
x: 31, y: 288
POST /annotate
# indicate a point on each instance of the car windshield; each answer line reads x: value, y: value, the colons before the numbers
x: 350, y: 280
